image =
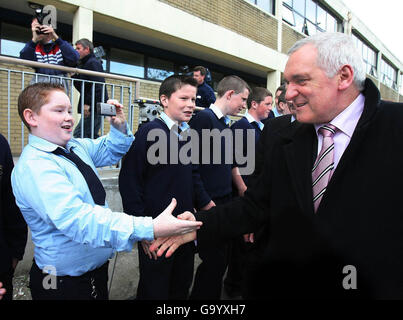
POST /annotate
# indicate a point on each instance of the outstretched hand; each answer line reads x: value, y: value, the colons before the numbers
x: 174, y: 242
x: 166, y: 225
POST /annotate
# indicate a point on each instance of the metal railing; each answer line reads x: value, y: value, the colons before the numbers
x: 16, y: 80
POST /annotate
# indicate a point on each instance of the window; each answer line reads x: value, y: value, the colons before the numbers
x: 388, y: 74
x: 266, y: 5
x: 159, y: 69
x: 13, y: 39
x: 308, y: 17
x: 126, y: 63
x: 369, y: 56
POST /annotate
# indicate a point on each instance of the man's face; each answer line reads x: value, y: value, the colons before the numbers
x: 54, y: 121
x: 180, y: 105
x: 82, y: 51
x: 263, y: 107
x: 237, y: 102
x: 314, y: 95
x: 199, y: 78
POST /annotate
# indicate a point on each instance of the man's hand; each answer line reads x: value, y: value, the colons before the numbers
x: 34, y: 27
x: 49, y: 31
x: 174, y: 242
x: 146, y: 247
x: 118, y: 121
x: 166, y: 225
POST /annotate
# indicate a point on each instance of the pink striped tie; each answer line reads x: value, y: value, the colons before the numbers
x: 324, y: 164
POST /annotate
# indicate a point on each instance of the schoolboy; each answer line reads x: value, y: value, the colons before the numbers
x: 146, y: 187
x: 74, y: 231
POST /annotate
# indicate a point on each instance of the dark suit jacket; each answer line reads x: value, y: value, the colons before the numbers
x: 359, y: 221
x: 13, y: 229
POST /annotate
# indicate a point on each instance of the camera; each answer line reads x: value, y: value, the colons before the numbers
x: 105, y: 109
x: 40, y: 15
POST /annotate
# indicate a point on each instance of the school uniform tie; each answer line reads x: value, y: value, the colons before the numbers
x: 324, y: 164
x: 94, y: 184
x: 256, y: 125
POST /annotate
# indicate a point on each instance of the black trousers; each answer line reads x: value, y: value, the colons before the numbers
x: 7, y: 279
x: 166, y: 278
x: 209, y: 275
x: 92, y: 285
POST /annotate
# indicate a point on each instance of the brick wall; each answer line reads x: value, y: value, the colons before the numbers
x: 289, y: 37
x: 236, y: 15
x: 388, y: 93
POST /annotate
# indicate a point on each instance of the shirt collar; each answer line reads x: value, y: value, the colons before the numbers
x: 170, y: 123
x: 41, y: 144
x: 347, y: 120
x: 219, y: 114
x: 251, y: 119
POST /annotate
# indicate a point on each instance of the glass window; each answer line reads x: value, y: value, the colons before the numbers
x: 11, y: 48
x: 331, y: 23
x: 311, y: 28
x: 13, y: 39
x: 288, y: 16
x: 289, y: 2
x: 321, y: 18
x: 266, y: 5
x: 159, y: 69
x: 299, y: 6
x: 311, y: 10
x: 127, y: 63
x: 299, y: 22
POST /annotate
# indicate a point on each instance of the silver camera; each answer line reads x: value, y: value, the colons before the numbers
x: 105, y: 109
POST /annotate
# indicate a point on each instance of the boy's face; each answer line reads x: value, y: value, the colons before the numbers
x: 180, y: 105
x: 237, y: 102
x: 54, y: 122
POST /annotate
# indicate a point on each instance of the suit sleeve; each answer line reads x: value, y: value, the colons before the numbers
x: 244, y: 214
x: 132, y: 176
x: 15, y: 228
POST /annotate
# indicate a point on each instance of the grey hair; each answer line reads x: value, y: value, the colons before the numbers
x: 335, y: 50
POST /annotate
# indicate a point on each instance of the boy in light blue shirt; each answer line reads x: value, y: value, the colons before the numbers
x: 74, y: 237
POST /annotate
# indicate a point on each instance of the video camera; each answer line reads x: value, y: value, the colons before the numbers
x: 46, y: 15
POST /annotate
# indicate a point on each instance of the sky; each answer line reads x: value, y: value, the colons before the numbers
x: 384, y: 18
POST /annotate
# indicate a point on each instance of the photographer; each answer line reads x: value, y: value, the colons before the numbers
x: 47, y: 47
x: 88, y: 61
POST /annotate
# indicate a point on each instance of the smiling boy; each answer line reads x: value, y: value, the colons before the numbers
x: 148, y: 187
x: 63, y: 202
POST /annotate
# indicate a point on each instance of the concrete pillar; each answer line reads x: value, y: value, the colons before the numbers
x: 278, y: 10
x: 273, y: 81
x: 82, y: 24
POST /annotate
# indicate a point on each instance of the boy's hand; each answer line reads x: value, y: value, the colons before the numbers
x: 118, y: 121
x: 170, y: 244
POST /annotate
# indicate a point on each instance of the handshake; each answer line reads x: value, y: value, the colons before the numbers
x: 170, y: 232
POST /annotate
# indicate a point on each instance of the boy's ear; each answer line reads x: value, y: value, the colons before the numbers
x: 30, y: 117
x: 164, y: 100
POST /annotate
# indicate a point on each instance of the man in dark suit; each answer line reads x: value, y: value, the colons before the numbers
x: 13, y: 229
x: 349, y: 244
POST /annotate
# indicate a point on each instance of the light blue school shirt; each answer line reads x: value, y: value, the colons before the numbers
x: 72, y: 234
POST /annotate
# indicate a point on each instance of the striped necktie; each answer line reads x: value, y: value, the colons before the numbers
x: 324, y: 164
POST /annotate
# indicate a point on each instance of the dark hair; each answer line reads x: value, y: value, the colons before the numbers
x: 202, y: 70
x: 231, y: 83
x: 35, y: 96
x: 281, y: 88
x: 174, y: 83
x: 86, y: 44
x: 281, y: 97
x: 258, y: 94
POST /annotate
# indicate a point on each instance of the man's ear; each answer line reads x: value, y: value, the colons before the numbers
x: 346, y: 77
x: 254, y: 104
x: 30, y: 117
